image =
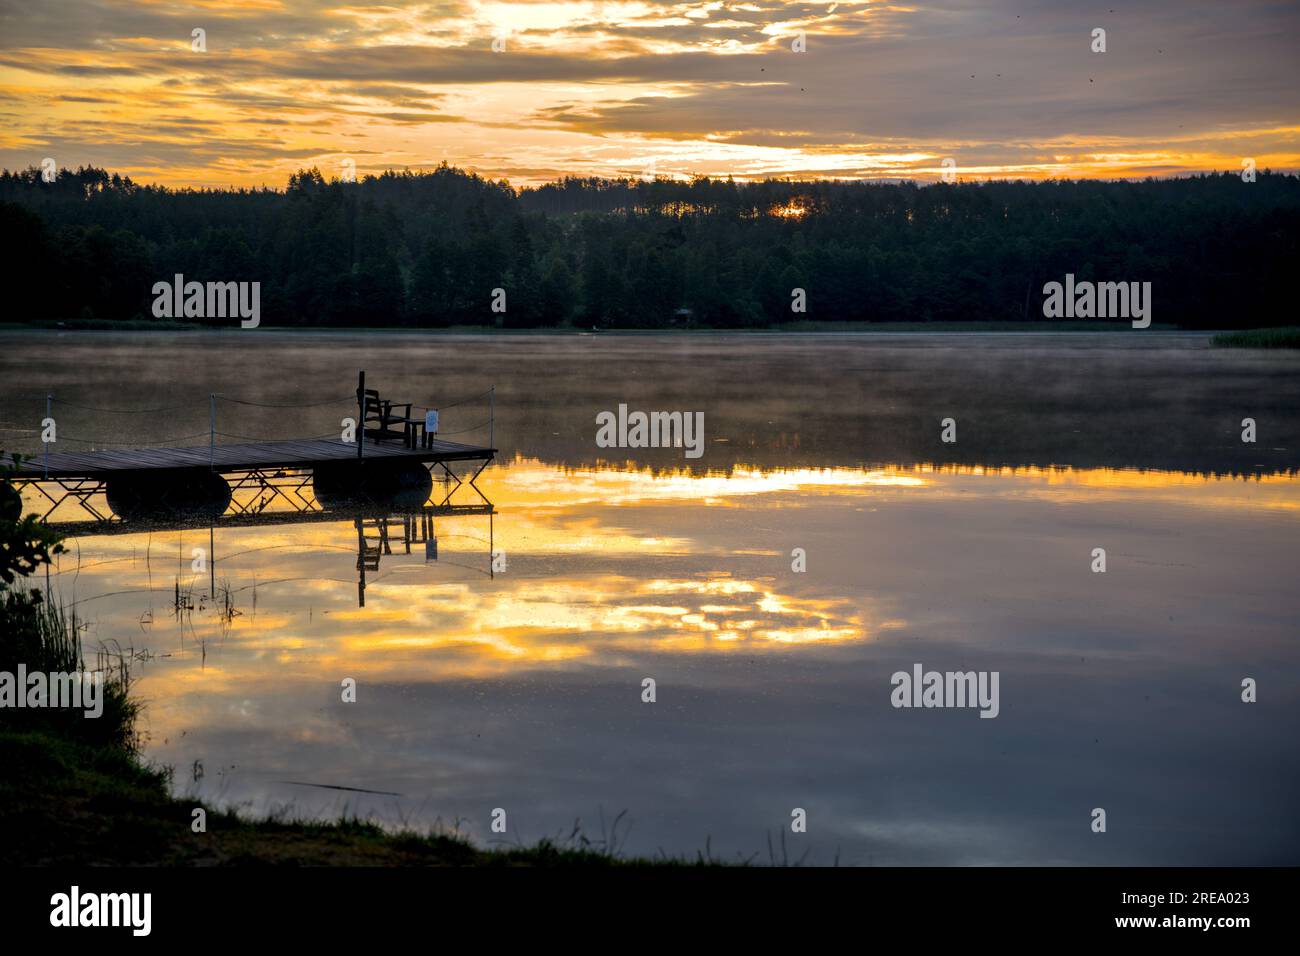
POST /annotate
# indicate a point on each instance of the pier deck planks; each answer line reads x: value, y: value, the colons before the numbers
x: 304, y: 454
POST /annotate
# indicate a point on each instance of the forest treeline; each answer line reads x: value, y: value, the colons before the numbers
x: 427, y: 249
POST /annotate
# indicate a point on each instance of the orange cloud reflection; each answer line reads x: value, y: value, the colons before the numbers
x: 607, y: 567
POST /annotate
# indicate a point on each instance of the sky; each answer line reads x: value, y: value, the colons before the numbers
x: 533, y: 91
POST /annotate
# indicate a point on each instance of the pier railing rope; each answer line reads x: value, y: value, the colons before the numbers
x: 461, y: 431
x: 194, y: 403
x: 460, y: 401
x: 122, y: 411
x: 350, y: 399
x: 333, y: 434
x: 109, y: 441
x: 490, y: 395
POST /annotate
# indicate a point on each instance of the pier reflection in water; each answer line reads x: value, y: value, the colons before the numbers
x: 378, y: 532
x: 479, y: 689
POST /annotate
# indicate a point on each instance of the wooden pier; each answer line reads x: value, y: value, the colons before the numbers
x: 229, y: 459
x: 272, y: 471
x: 381, y: 463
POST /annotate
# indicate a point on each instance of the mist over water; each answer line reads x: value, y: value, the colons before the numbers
x: 521, y: 688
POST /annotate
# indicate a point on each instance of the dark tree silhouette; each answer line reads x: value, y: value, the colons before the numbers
x: 427, y: 249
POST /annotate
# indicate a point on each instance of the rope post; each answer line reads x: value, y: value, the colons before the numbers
x: 212, y: 429
x: 492, y: 416
x: 361, y: 413
x: 49, y: 413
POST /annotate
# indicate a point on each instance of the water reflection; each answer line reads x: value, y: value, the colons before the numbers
x: 518, y: 683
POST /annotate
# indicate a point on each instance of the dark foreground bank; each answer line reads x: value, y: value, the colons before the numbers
x: 63, y: 803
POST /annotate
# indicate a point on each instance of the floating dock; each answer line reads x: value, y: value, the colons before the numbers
x: 271, y: 471
x: 389, y: 463
x: 234, y: 459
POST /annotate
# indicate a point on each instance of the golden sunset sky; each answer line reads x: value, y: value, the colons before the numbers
x: 1006, y: 88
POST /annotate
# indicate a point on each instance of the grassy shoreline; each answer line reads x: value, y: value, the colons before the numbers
x: 1282, y: 337
x: 65, y: 803
x: 77, y: 792
x: 783, y: 328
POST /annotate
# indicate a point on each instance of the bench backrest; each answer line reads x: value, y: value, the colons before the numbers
x: 373, y: 407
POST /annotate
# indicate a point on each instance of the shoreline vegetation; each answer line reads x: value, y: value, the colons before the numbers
x: 76, y: 790
x: 1284, y: 337
x: 443, y: 248
x: 1032, y: 326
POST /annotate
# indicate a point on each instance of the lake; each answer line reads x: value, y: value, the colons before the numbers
x: 826, y: 539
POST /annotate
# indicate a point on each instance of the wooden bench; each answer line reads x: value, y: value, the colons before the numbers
x: 382, y: 421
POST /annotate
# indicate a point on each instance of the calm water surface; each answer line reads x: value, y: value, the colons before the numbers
x: 521, y: 688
